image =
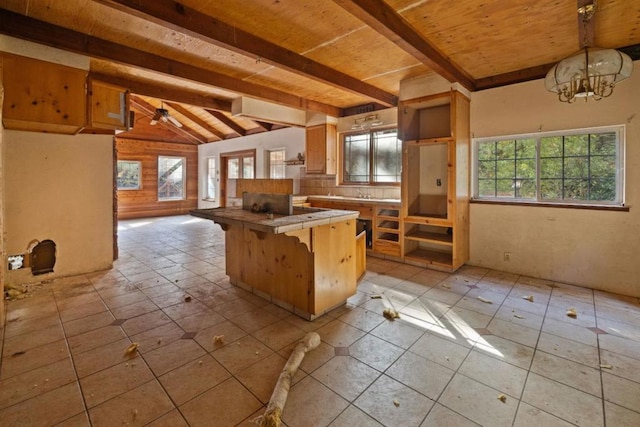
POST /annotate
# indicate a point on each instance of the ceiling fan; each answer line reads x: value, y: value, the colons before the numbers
x: 162, y: 115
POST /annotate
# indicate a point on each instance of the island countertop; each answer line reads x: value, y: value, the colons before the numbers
x: 301, y: 218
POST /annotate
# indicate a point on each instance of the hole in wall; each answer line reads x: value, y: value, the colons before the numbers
x: 43, y: 257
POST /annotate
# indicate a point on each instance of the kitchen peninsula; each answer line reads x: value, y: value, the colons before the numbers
x: 305, y: 262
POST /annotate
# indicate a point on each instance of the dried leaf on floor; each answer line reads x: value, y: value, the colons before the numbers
x: 131, y: 350
x: 605, y: 366
x: 376, y: 296
x: 444, y: 285
x: 187, y: 298
x: 571, y: 312
x: 502, y: 398
x: 390, y: 314
x: 218, y: 339
x: 518, y: 316
x: 395, y: 402
x: 528, y: 298
x: 484, y: 300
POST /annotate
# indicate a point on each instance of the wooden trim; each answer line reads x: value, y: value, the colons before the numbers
x: 182, y: 18
x: 228, y: 122
x: 383, y: 18
x: 17, y: 25
x: 197, y: 120
x: 553, y: 205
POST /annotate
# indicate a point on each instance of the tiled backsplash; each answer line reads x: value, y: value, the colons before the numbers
x: 323, y: 185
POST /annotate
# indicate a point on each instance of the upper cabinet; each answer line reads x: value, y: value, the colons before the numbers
x: 108, y: 106
x: 435, y: 179
x: 42, y: 96
x: 321, y: 149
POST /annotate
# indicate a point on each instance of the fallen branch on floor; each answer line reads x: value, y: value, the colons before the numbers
x: 272, y: 416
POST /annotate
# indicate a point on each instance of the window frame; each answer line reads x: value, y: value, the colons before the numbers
x: 207, y: 195
x: 619, y: 202
x: 282, y: 164
x: 184, y: 180
x: 372, y: 157
x: 139, y: 186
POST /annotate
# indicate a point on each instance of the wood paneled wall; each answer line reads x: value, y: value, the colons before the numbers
x: 144, y: 202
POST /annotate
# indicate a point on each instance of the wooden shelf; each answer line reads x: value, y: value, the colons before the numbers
x: 293, y: 162
x: 425, y: 236
x: 389, y: 237
x: 425, y: 141
x: 425, y: 219
x: 426, y: 256
x: 389, y: 225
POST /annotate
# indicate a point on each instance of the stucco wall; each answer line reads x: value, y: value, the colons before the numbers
x: 599, y: 249
x: 59, y: 187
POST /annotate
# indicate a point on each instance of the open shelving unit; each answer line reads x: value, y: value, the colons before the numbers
x: 435, y: 180
x: 387, y: 230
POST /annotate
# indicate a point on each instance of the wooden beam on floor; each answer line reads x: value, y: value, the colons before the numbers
x: 179, y: 17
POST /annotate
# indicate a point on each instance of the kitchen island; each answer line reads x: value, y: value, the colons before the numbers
x: 304, y: 262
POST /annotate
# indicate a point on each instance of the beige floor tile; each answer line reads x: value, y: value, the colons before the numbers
x: 80, y: 420
x: 425, y: 376
x: 621, y: 391
x: 621, y: 366
x: 441, y: 416
x: 505, y: 350
x: 125, y: 299
x: 173, y: 355
x: 185, y: 309
x: 511, y: 331
x: 96, y: 338
x: 194, y: 378
x: 620, y: 345
x: 305, y: 325
x: 199, y: 321
x: 618, y: 416
x: 463, y: 316
x: 82, y: 311
x: 45, y: 409
x: 569, y: 331
x: 311, y: 403
x: 528, y: 416
x: 394, y: 404
x: 339, y: 334
x: 478, y: 402
x: 516, y: 302
x: 564, y: 402
x: 254, y: 320
x: 398, y: 332
x: 375, y: 352
x: 227, y: 404
x: 490, y: 371
x: 157, y: 337
x: 520, y: 317
x: 621, y: 329
x: 169, y: 299
x: 572, y: 350
x: 25, y: 326
x: 278, y: 335
x: 159, y: 289
x: 346, y: 376
x: 442, y: 295
x: 133, y: 310
x: 439, y: 350
x: 354, y: 417
x: 313, y: 359
x: 235, y: 307
x: 261, y: 377
x: 584, y: 318
x: 101, y: 358
x: 39, y: 307
x: 568, y: 372
x: 17, y: 363
x: 471, y: 302
x: 145, y: 322
x: 241, y: 354
x: 172, y: 419
x: 29, y: 384
x: 136, y: 407
x: 226, y: 329
x: 114, y: 381
x: 86, y: 324
x: 362, y: 319
x: 38, y: 338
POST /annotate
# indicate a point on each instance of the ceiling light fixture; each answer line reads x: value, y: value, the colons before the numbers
x: 366, y: 122
x: 591, y: 72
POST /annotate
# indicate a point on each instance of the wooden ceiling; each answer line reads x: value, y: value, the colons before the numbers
x: 325, y: 56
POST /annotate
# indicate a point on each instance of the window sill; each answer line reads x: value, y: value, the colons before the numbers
x: 553, y: 205
x: 208, y: 200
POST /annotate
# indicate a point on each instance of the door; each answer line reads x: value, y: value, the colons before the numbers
x: 234, y: 166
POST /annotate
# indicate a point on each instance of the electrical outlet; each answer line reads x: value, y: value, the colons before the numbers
x: 507, y: 256
x: 438, y: 182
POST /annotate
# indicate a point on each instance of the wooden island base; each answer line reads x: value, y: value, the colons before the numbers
x: 304, y: 263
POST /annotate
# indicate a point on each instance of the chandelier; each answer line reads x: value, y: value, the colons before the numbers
x: 366, y: 122
x: 591, y: 72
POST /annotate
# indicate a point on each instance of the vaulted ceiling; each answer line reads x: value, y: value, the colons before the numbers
x: 194, y: 57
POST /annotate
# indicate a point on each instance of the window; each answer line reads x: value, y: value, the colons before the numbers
x: 372, y: 158
x: 276, y: 164
x: 211, y: 178
x: 128, y: 175
x: 580, y: 167
x: 171, y: 178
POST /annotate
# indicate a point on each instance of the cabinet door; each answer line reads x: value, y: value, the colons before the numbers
x: 42, y: 96
x: 108, y: 106
x: 321, y: 149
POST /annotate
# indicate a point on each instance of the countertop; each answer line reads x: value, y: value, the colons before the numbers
x: 354, y: 199
x: 301, y: 218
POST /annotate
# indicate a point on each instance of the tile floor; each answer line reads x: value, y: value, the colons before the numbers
x: 445, y: 362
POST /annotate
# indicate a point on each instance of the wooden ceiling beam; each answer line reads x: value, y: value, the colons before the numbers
x: 384, y: 19
x: 197, y: 120
x: 179, y: 17
x: 184, y: 130
x: 228, y: 122
x: 20, y: 26
x: 165, y: 92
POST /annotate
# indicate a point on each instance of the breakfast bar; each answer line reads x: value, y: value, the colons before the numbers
x: 305, y: 262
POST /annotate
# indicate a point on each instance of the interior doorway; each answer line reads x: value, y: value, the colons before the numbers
x: 233, y: 166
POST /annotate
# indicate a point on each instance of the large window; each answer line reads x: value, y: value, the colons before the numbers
x: 172, y: 172
x: 372, y: 158
x: 276, y: 164
x: 211, y: 178
x: 129, y: 175
x: 581, y: 167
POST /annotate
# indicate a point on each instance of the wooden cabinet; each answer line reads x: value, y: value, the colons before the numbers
x: 108, y: 106
x: 387, y: 229
x: 42, y: 96
x: 435, y: 180
x: 321, y: 149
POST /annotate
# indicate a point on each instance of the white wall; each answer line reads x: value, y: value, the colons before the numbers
x: 292, y: 140
x: 599, y: 249
x: 59, y: 187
